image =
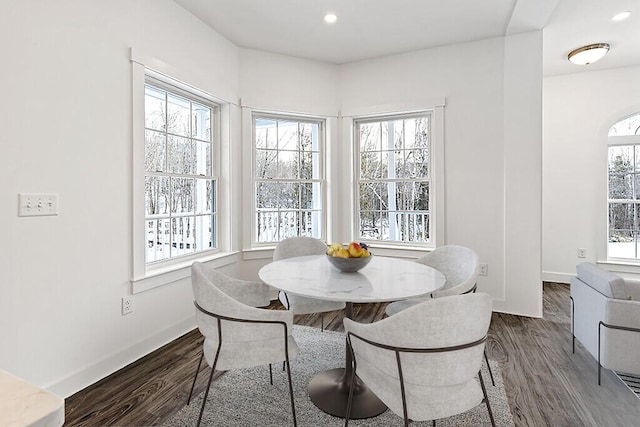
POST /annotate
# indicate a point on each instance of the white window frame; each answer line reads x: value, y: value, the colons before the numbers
x: 436, y: 175
x: 172, y: 87
x: 251, y: 115
x: 613, y: 141
x: 145, y: 277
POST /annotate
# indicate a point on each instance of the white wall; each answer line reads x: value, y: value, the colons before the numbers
x: 493, y: 114
x: 66, y: 128
x: 283, y: 84
x: 491, y: 87
x: 522, y: 176
x: 579, y: 109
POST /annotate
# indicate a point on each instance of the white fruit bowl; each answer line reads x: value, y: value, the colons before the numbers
x: 349, y: 265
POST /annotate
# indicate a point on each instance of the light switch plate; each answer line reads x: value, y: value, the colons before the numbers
x: 35, y: 204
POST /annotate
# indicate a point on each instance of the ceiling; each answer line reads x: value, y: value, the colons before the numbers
x: 576, y: 23
x: 372, y: 28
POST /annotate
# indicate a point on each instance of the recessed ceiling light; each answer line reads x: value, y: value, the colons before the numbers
x: 330, y: 18
x: 621, y: 16
x: 588, y: 54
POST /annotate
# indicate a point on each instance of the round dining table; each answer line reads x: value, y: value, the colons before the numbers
x: 383, y: 279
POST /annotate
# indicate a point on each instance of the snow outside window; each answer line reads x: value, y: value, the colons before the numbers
x: 624, y: 189
x: 180, y: 182
x: 287, y: 176
x: 394, y: 183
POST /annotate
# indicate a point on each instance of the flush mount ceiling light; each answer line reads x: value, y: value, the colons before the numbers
x: 621, y: 16
x: 588, y: 54
x: 330, y: 18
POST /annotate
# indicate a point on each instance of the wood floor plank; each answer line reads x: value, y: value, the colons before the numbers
x: 547, y: 385
x: 545, y: 382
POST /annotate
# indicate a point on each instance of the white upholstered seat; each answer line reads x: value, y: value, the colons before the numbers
x: 460, y: 266
x: 301, y: 246
x: 237, y: 334
x: 423, y: 363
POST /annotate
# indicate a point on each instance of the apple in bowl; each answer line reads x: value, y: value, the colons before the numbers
x: 349, y: 259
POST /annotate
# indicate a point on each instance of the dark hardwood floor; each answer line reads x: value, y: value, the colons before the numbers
x: 546, y: 384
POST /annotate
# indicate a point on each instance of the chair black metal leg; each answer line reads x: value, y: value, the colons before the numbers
x: 599, y: 365
x: 486, y: 400
x: 600, y: 325
x: 573, y: 335
x: 322, y: 323
x: 270, y: 374
x: 293, y: 405
x: 352, y: 383
x: 433, y: 423
x: 206, y: 393
x: 350, y: 400
x: 489, y: 367
x: 195, y: 378
x: 405, y: 412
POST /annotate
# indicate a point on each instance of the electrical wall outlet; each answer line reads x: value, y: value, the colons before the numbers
x: 582, y: 253
x: 127, y: 305
x: 484, y: 269
x: 37, y: 204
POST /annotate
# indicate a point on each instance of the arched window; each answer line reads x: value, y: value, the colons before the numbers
x: 624, y: 189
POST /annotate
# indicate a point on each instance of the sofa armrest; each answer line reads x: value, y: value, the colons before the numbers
x: 607, y: 283
x: 589, y: 307
x: 620, y: 341
x: 623, y: 313
x: 633, y: 289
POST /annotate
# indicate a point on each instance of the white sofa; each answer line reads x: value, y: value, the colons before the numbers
x: 605, y: 318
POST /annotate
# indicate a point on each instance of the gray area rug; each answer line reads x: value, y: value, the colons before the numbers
x: 245, y: 397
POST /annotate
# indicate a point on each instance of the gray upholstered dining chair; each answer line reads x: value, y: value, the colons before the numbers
x: 425, y: 364
x: 301, y: 246
x: 460, y: 266
x: 237, y: 334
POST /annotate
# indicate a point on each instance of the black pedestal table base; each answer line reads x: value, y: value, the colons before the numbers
x: 329, y: 391
x: 305, y: 275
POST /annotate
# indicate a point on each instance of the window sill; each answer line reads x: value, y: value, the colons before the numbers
x: 395, y: 251
x: 621, y: 265
x: 175, y: 272
x: 264, y: 252
x: 398, y: 251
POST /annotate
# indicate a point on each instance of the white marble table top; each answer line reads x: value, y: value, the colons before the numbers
x: 383, y: 279
x: 23, y: 404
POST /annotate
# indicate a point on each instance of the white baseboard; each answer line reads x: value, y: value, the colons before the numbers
x: 552, y: 276
x: 86, y: 376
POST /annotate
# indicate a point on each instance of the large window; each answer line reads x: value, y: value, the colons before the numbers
x: 180, y: 183
x: 393, y: 197
x: 624, y: 189
x: 288, y: 175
